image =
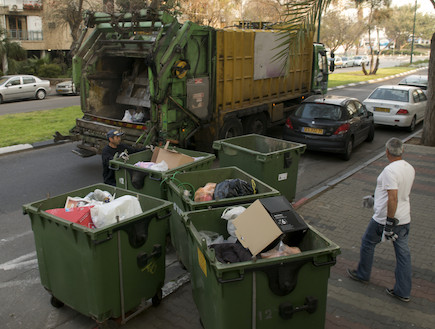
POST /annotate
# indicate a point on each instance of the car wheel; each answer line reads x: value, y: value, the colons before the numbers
x: 371, y: 134
x: 348, y: 150
x: 411, y: 128
x: 1, y: 99
x: 40, y: 94
x: 231, y: 128
x: 255, y: 124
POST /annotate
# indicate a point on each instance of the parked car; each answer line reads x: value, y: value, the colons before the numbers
x: 330, y: 123
x: 348, y: 61
x: 358, y: 60
x: 66, y: 88
x: 393, y: 105
x: 14, y: 87
x: 338, y: 62
x: 419, y: 81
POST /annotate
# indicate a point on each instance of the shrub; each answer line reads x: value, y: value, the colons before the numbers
x: 50, y: 70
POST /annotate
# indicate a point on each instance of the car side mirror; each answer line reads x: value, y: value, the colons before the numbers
x: 8, y: 84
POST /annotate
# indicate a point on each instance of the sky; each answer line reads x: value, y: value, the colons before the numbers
x: 425, y: 5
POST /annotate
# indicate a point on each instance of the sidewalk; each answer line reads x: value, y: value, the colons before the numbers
x: 337, y: 213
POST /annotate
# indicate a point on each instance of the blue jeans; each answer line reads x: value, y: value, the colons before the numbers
x: 370, y: 239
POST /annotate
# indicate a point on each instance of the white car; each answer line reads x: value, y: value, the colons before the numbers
x: 14, y: 87
x: 66, y: 88
x: 394, y: 105
x: 358, y: 60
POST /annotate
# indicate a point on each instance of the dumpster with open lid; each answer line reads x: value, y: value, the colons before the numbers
x: 102, y: 272
x: 279, y: 292
x: 274, y: 161
x: 178, y: 183
x: 147, y: 181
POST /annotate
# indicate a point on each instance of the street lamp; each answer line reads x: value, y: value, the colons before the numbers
x: 413, y: 31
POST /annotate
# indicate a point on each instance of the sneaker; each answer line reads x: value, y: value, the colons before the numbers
x: 392, y: 294
x: 354, y: 276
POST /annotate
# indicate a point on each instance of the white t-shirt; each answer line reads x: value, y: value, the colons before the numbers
x: 398, y: 175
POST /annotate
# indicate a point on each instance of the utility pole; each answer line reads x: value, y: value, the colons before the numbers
x: 413, y: 31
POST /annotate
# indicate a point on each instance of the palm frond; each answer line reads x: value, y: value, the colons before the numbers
x: 301, y: 17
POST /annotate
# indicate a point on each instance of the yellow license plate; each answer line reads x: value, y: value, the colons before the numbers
x: 382, y: 109
x: 312, y: 130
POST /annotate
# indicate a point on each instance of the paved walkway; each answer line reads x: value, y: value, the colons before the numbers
x: 337, y: 213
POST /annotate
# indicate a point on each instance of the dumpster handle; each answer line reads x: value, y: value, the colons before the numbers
x: 164, y: 216
x: 261, y: 158
x: 113, y: 168
x: 240, y: 278
x: 95, y: 242
x: 331, y: 262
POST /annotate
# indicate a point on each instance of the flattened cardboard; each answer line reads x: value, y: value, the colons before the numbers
x: 173, y: 158
x: 255, y: 229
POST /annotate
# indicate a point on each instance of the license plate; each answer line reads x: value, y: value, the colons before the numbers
x: 310, y: 130
x: 382, y: 109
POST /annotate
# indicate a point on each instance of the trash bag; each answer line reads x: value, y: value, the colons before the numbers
x: 231, y: 188
x: 205, y: 193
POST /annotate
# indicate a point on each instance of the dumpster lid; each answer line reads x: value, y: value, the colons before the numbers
x: 264, y: 221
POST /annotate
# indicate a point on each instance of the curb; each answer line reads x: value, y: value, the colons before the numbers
x: 347, y: 174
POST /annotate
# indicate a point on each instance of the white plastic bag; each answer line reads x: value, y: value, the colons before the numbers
x: 127, y: 116
x: 123, y: 207
x: 161, y: 166
x: 230, y: 214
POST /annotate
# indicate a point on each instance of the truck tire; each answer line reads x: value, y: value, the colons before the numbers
x: 255, y: 124
x: 231, y: 128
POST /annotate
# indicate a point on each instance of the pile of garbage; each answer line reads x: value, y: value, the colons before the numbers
x: 98, y: 209
x: 229, y: 188
x: 230, y: 250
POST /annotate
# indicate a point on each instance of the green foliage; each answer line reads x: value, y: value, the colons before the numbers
x: 49, y: 70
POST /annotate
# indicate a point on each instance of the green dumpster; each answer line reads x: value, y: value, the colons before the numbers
x: 106, y: 272
x: 149, y: 182
x: 281, y: 292
x: 191, y: 181
x: 274, y: 161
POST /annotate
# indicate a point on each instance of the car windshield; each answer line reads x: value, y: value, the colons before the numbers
x: 3, y: 80
x: 391, y: 95
x: 415, y: 79
x: 318, y: 111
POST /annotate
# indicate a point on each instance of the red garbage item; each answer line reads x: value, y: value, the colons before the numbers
x: 79, y: 215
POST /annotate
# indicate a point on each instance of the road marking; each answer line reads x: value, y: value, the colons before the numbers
x: 2, y: 241
x: 25, y: 261
x: 19, y: 283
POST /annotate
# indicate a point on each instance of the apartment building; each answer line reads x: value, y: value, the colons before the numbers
x: 23, y: 22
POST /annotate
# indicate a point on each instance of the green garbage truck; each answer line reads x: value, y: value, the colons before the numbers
x: 161, y: 80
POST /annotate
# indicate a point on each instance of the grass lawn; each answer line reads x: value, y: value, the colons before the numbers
x: 338, y: 79
x: 31, y: 127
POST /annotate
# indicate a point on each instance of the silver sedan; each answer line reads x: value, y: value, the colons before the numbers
x: 13, y: 87
x: 400, y: 106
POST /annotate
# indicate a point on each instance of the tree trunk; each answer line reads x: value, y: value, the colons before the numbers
x: 428, y: 137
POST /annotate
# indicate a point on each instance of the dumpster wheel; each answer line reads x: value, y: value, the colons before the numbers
x: 157, y: 299
x: 56, y: 302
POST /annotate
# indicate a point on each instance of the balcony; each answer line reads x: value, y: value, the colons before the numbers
x: 25, y: 35
x: 32, y: 5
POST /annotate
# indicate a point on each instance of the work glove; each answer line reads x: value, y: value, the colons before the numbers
x: 368, y: 201
x: 388, y: 229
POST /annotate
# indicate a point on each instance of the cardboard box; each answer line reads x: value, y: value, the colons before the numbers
x: 173, y: 158
x: 266, y: 220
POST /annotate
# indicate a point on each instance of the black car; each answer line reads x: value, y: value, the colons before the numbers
x: 331, y: 124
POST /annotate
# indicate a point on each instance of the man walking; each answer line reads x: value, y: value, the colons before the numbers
x: 390, y: 221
